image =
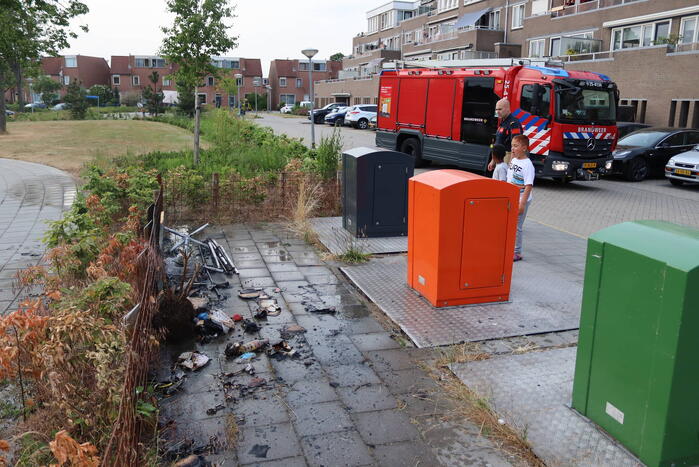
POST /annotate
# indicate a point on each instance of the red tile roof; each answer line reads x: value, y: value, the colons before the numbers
x: 286, y: 67
x: 120, y: 65
x: 52, y: 65
x: 253, y: 67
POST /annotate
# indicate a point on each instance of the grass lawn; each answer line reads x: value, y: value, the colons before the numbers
x: 67, y: 145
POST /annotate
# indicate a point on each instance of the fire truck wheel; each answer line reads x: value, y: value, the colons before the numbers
x: 636, y: 169
x: 411, y: 147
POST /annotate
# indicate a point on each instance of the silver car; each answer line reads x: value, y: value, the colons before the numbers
x: 683, y: 167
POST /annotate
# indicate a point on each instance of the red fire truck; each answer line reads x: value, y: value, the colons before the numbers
x: 448, y: 115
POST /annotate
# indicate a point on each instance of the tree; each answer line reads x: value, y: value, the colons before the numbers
x: 48, y: 88
x: 229, y: 85
x: 77, y: 98
x: 104, y: 92
x: 185, y: 100
x: 260, y: 98
x: 153, y: 97
x: 338, y: 56
x: 30, y: 29
x: 199, y: 31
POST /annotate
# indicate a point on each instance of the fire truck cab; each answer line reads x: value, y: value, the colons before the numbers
x: 448, y: 115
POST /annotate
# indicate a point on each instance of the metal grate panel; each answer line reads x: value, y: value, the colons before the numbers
x: 337, y: 240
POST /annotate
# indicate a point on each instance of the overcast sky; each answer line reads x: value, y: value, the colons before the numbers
x: 266, y: 29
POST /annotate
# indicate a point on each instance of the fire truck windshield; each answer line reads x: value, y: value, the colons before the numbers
x: 585, y: 106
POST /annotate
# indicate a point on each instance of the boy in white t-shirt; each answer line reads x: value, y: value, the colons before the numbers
x: 521, y: 173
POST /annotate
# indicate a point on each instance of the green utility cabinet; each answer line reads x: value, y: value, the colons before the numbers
x: 637, y: 367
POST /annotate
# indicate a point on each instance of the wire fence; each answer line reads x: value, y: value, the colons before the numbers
x: 237, y: 199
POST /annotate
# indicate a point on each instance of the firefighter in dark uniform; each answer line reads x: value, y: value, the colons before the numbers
x: 509, y: 127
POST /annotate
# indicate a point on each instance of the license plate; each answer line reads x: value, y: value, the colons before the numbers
x: 683, y: 172
x: 589, y: 165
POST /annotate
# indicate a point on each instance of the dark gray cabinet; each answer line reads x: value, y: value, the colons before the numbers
x: 375, y: 192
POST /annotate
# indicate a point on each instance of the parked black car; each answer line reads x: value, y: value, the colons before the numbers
x: 646, y: 152
x: 624, y: 128
x: 319, y: 114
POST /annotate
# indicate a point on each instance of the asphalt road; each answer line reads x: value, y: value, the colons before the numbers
x: 580, y: 208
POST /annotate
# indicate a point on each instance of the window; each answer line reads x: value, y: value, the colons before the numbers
x: 299, y: 83
x: 540, y: 7
x: 518, y: 16
x: 265, y: 81
x: 490, y: 20
x: 209, y: 80
x: 231, y: 102
x: 444, y: 5
x: 282, y: 82
x: 66, y: 80
x: 536, y: 47
x: 674, y: 140
x: 408, y: 37
x: 202, y: 98
x: 136, y: 80
x: 149, y: 62
x: 555, y: 49
x: 116, y: 80
x: 319, y: 67
x: 288, y: 99
x: 71, y: 61
x: 640, y: 35
x: 536, y: 100
x: 239, y: 81
x: 688, y: 30
x: 167, y: 82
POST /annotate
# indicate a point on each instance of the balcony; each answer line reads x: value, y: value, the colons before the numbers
x: 354, y: 60
x: 686, y: 47
x: 472, y: 35
x: 560, y: 8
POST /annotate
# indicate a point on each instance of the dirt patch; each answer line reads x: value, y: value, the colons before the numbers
x: 68, y: 145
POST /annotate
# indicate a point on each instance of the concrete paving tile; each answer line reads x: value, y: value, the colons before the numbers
x: 352, y: 375
x: 281, y: 258
x: 266, y: 250
x: 288, y: 276
x: 310, y: 391
x: 335, y: 350
x: 202, y: 431
x: 187, y: 406
x: 250, y: 264
x: 387, y: 360
x: 322, y: 279
x: 257, y: 282
x: 301, y: 297
x: 253, y: 272
x: 257, y: 412
x: 280, y: 438
x: 283, y: 267
x: 374, y: 341
x: 406, y: 381
x: 403, y: 454
x: 246, y: 256
x: 292, y: 371
x: 367, y: 398
x: 334, y: 449
x: 362, y: 326
x: 385, y: 426
x: 314, y: 270
x: 324, y: 417
x: 287, y: 462
x: 420, y: 404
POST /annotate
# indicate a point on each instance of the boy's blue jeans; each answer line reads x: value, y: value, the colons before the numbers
x: 520, y: 223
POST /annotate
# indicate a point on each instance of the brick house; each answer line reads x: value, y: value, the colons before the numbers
x: 64, y: 69
x: 288, y: 79
x: 130, y: 74
x: 618, y: 38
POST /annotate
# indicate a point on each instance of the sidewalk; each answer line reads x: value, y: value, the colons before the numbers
x: 31, y: 195
x: 356, y: 396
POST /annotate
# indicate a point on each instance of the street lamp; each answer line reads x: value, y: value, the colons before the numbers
x: 310, y: 53
x: 238, y: 77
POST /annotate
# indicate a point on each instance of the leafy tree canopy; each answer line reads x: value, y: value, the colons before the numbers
x: 338, y: 56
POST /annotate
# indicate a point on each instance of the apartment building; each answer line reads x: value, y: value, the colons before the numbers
x: 649, y: 47
x: 64, y: 69
x: 288, y: 79
x: 131, y: 74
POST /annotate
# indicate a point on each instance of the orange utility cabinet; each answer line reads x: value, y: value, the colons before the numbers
x: 461, y: 237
